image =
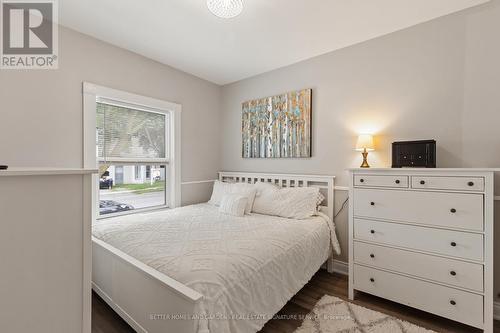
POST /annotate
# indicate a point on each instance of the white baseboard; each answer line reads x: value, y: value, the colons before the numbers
x: 342, y: 267
x: 496, y: 310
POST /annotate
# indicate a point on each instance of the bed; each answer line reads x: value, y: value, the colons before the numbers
x: 195, y: 270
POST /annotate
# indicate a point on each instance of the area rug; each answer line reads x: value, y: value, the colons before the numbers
x: 333, y: 315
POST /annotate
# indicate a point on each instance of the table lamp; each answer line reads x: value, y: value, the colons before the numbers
x: 365, y: 144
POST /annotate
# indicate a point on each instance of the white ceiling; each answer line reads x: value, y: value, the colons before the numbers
x: 268, y: 34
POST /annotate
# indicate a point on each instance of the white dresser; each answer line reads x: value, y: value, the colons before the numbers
x: 45, y: 250
x: 424, y: 238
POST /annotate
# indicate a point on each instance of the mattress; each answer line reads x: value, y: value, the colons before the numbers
x: 246, y: 268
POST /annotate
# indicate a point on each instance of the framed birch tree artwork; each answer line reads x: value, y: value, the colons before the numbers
x: 277, y: 126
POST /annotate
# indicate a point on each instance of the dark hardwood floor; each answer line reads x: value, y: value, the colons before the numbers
x: 104, y: 320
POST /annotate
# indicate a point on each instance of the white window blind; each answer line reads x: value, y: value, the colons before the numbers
x: 126, y: 134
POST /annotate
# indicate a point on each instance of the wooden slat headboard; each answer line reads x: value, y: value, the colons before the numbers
x: 326, y: 184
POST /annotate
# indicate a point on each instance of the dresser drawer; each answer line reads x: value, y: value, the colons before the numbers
x: 451, y: 243
x: 466, y: 308
x: 453, y: 272
x: 381, y: 181
x: 448, y: 183
x: 454, y: 210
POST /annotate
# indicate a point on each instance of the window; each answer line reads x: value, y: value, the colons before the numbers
x: 136, y: 147
x: 123, y: 191
x: 137, y: 172
x: 136, y: 138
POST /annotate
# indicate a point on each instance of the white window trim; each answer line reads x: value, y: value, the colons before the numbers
x: 93, y: 92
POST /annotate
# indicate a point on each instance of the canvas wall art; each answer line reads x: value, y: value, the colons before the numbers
x: 277, y: 126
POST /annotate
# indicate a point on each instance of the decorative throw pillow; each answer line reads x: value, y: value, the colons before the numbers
x: 243, y: 189
x: 233, y: 204
x: 292, y: 202
x: 320, y: 199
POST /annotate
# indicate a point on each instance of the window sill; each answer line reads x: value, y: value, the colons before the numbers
x: 135, y: 211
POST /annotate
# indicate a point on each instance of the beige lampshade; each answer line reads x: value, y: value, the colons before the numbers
x: 365, y: 141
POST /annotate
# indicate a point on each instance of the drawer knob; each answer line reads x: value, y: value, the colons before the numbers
x: 453, y: 244
x: 422, y: 182
x: 372, y: 231
x: 470, y: 183
x: 372, y: 280
x: 453, y: 210
x: 452, y: 302
x: 398, y: 181
x: 372, y: 203
x: 453, y: 273
x: 361, y: 180
x: 372, y: 255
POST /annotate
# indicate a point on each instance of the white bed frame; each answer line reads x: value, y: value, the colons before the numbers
x: 143, y: 297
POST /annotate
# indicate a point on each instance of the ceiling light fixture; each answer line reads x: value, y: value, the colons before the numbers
x: 225, y: 8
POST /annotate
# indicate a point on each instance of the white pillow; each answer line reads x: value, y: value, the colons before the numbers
x: 243, y: 189
x: 292, y: 202
x: 233, y: 204
x: 263, y: 187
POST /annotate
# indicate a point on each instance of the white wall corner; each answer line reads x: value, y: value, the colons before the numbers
x: 342, y: 267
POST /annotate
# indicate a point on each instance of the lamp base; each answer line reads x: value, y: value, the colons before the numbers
x: 365, y: 161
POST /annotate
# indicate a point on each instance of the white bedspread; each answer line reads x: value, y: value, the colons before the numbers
x: 246, y: 267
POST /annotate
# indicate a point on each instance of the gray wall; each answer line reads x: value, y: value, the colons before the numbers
x: 41, y: 110
x: 436, y: 80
